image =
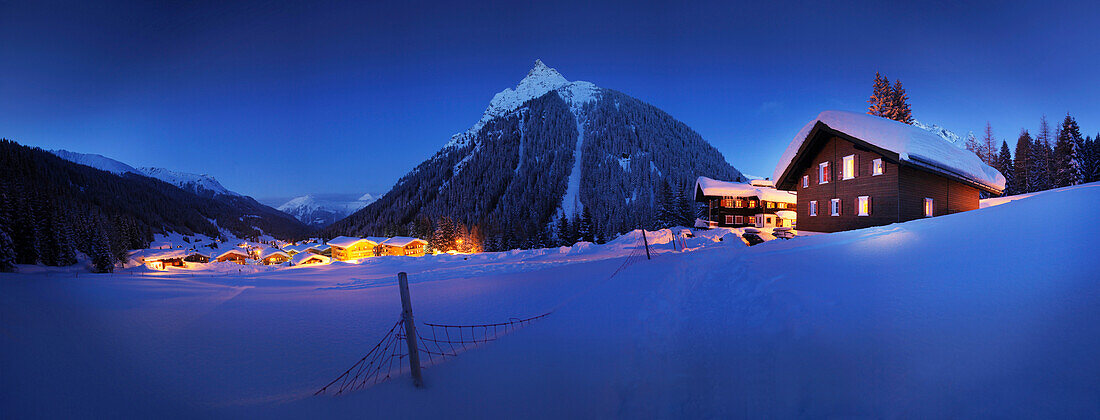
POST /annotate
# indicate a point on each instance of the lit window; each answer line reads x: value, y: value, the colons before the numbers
x: 805, y: 181
x: 813, y: 208
x: 864, y: 205
x: 727, y: 202
x: 848, y: 169
x: 877, y: 168
x: 927, y: 207
x: 834, y: 207
x: 740, y: 220
x: 823, y: 173
x: 739, y: 203
x: 729, y: 219
x: 752, y: 203
x: 781, y: 205
x: 771, y: 205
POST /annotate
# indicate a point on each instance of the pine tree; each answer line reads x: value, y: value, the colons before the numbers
x: 575, y: 233
x: 102, y: 262
x: 899, y: 104
x: 881, y: 95
x: 565, y: 231
x: 685, y: 206
x: 63, y: 239
x: 585, y: 230
x: 1041, y: 159
x: 666, y: 213
x: 444, y: 238
x: 1005, y: 166
x: 973, y: 145
x: 1022, y: 164
x: 1065, y: 156
x: 1090, y: 160
x: 7, y: 246
x: 988, y: 146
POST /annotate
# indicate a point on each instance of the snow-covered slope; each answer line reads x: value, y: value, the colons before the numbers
x: 204, y: 185
x: 549, y: 147
x: 95, y: 161
x: 948, y: 135
x: 324, y: 209
x: 970, y: 315
x: 199, y: 184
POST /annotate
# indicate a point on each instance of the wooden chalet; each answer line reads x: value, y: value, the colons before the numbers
x: 159, y: 260
x: 351, y: 248
x: 852, y: 171
x: 402, y: 245
x: 320, y: 249
x: 197, y: 257
x: 233, y: 255
x: 735, y: 204
x: 272, y: 256
x: 308, y: 258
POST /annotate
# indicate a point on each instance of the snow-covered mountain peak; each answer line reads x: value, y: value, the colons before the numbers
x: 324, y: 209
x: 943, y: 133
x: 198, y: 183
x: 540, y: 80
x: 96, y: 161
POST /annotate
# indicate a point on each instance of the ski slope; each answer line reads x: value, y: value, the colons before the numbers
x: 968, y: 315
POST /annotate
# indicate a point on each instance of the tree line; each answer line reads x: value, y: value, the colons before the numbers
x: 1046, y: 160
x: 52, y: 209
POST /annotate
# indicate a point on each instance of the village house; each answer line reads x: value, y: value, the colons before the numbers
x: 234, y: 255
x: 403, y: 245
x: 853, y: 171
x: 735, y: 204
x: 159, y: 260
x: 197, y: 257
x: 309, y: 258
x: 320, y: 249
x: 350, y: 248
x: 271, y: 256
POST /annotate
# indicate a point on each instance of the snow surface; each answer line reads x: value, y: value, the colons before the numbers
x: 910, y: 143
x: 96, y: 161
x: 712, y: 187
x: 401, y: 241
x: 188, y: 181
x: 948, y: 317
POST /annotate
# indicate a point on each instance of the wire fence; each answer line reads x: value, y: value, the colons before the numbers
x: 438, y: 342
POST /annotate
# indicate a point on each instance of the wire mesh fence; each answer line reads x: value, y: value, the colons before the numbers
x: 437, y: 343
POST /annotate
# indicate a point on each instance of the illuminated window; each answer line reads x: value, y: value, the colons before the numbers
x: 823, y: 173
x: 771, y: 205
x: 805, y: 181
x: 752, y: 203
x: 739, y: 203
x: 927, y: 207
x: 740, y: 220
x: 834, y: 207
x: 727, y: 202
x: 848, y: 167
x: 781, y: 205
x: 877, y: 168
x: 813, y: 208
x: 729, y: 219
x: 864, y: 205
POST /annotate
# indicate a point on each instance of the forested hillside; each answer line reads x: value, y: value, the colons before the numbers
x: 50, y: 208
x: 513, y: 180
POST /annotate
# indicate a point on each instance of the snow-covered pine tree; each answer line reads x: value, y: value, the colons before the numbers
x: 881, y: 96
x: 565, y: 231
x: 586, y: 231
x: 1065, y: 156
x: 899, y: 104
x: 63, y: 239
x: 102, y: 261
x: 1005, y: 165
x: 1022, y: 164
x: 1090, y: 160
x: 666, y: 214
x: 444, y: 237
x: 685, y: 206
x: 973, y: 145
x: 575, y: 232
x: 7, y: 246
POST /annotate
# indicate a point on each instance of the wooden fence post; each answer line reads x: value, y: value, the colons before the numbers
x: 410, y: 329
x: 646, y: 242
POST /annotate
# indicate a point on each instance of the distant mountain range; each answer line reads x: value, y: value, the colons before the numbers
x: 252, y: 214
x: 321, y: 210
x: 204, y: 185
x: 545, y: 148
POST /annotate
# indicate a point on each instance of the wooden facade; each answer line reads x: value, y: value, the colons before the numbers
x: 410, y: 247
x: 239, y: 257
x: 347, y: 248
x: 731, y: 204
x: 880, y: 190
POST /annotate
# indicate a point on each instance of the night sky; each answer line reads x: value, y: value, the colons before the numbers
x: 278, y: 99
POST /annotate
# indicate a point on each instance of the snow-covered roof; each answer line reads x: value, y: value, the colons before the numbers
x: 912, y: 144
x: 761, y: 183
x: 303, y: 256
x: 319, y: 247
x: 271, y: 252
x: 348, y: 241
x: 376, y: 239
x: 786, y: 214
x: 402, y: 241
x: 713, y: 187
x: 167, y: 254
x: 232, y: 251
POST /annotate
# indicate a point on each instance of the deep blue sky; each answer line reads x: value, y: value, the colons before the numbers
x: 278, y: 99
